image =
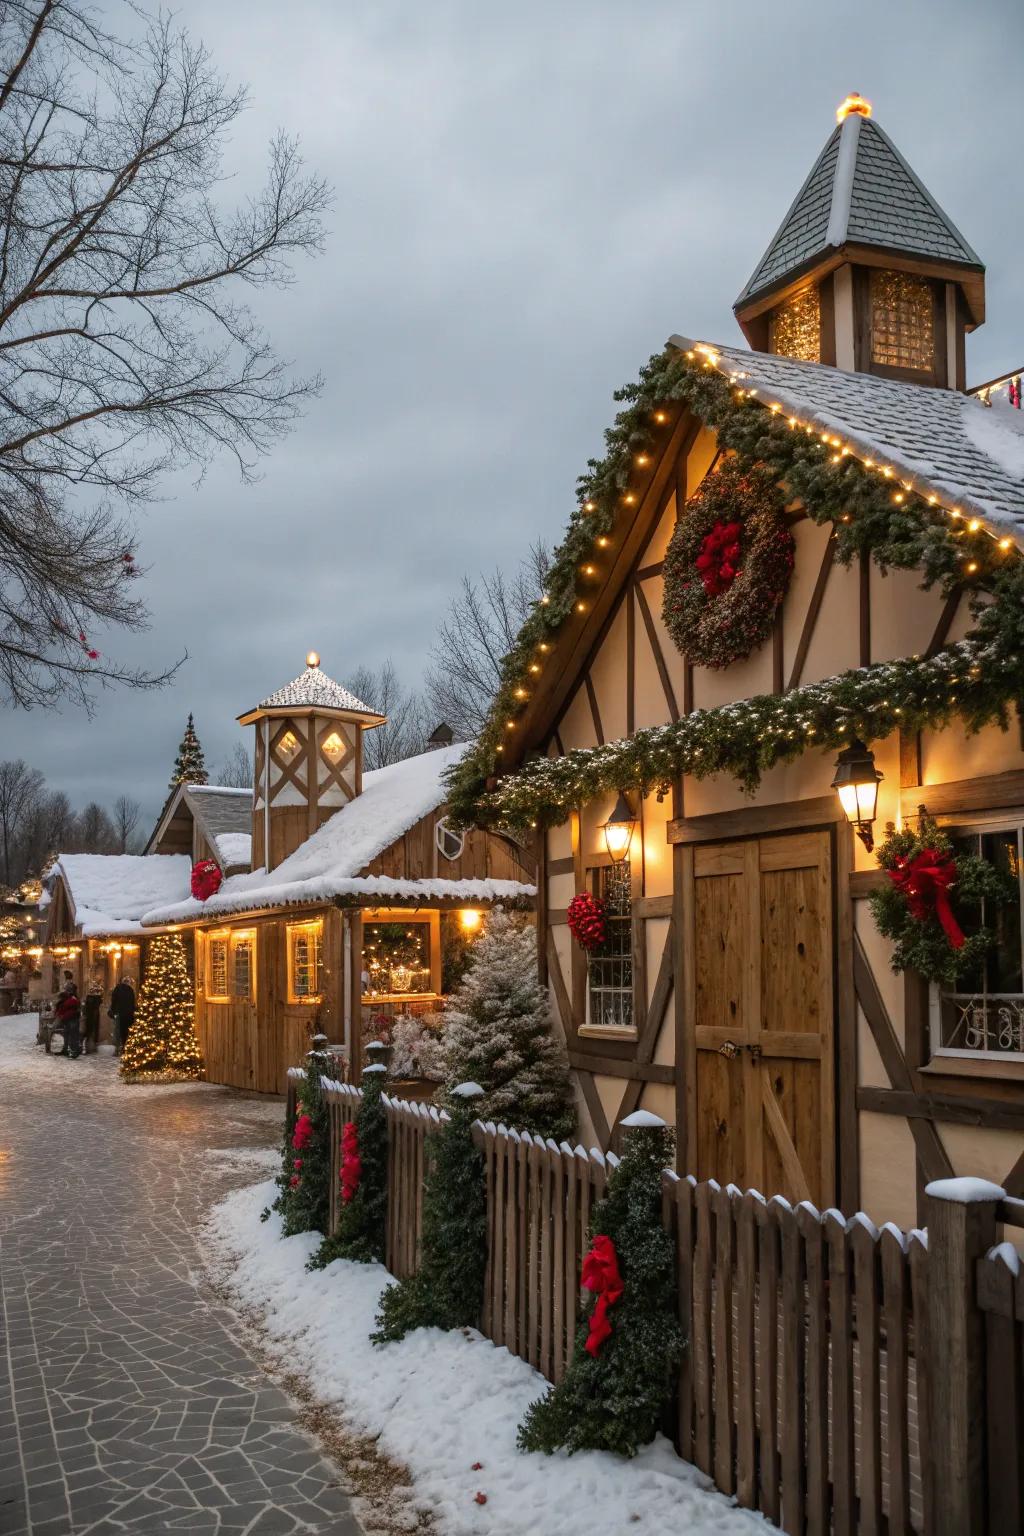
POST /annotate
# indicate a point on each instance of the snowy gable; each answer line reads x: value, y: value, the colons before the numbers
x: 937, y: 439
x: 108, y: 893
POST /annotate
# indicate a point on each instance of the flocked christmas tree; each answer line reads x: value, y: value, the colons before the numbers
x: 447, y: 1290
x: 629, y: 1342
x: 499, y: 1033
x: 189, y: 765
x: 162, y: 1043
x: 363, y: 1178
x: 304, y: 1183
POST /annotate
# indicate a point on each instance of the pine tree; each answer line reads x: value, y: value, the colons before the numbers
x: 304, y: 1183
x: 613, y: 1400
x: 189, y: 765
x: 447, y: 1289
x: 361, y: 1225
x: 498, y: 1033
x: 162, y: 1041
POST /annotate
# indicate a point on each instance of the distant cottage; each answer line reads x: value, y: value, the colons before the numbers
x: 339, y: 892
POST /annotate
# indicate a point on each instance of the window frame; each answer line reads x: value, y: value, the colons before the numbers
x: 907, y: 372
x: 314, y: 930
x: 596, y: 877
x: 954, y: 1056
x: 232, y: 939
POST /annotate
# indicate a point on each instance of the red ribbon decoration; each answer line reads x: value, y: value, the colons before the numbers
x: 351, y: 1165
x: 601, y: 1275
x: 303, y: 1133
x: 719, y: 556
x: 925, y: 880
x: 206, y: 878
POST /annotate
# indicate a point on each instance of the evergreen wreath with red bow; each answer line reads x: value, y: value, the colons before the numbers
x: 727, y: 567
x: 930, y: 905
x: 585, y: 917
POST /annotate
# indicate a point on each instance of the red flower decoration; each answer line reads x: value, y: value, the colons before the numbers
x: 206, y: 879
x: 585, y: 917
x: 294, y: 1181
x: 303, y: 1133
x: 601, y: 1275
x: 718, y: 560
x: 351, y: 1166
x: 925, y: 881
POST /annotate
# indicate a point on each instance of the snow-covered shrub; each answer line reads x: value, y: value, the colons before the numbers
x: 499, y: 1033
x: 417, y: 1046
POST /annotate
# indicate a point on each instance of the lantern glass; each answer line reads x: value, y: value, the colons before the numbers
x: 618, y: 830
x: 856, y: 783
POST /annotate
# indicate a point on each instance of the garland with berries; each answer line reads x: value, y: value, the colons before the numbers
x: 932, y: 893
x: 585, y: 917
x: 360, y: 1232
x: 304, y: 1184
x: 977, y: 681
x: 727, y: 567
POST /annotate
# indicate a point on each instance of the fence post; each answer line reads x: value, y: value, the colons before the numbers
x: 961, y: 1219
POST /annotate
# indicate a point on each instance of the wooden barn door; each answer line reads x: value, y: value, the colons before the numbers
x: 760, y: 1001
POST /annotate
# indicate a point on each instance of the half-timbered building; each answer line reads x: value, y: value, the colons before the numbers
x: 743, y: 989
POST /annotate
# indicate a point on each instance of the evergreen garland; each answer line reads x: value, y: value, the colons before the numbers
x: 360, y: 1232
x: 162, y: 1044
x: 304, y: 1183
x: 920, y: 942
x: 976, y: 681
x: 447, y: 1289
x: 613, y: 1400
x: 499, y: 1033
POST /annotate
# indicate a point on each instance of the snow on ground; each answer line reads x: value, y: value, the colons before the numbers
x: 441, y: 1402
x: 95, y: 1075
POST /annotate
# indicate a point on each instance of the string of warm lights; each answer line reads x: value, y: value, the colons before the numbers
x: 811, y: 465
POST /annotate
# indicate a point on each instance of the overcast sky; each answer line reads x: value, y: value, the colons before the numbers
x: 529, y: 200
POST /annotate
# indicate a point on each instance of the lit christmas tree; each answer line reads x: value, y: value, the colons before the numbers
x: 499, y: 1033
x: 189, y: 765
x: 162, y: 1043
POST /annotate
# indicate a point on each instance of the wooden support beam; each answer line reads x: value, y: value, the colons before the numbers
x: 813, y: 610
x: 659, y: 659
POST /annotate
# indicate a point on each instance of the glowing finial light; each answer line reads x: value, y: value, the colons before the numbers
x: 855, y: 104
x: 313, y: 659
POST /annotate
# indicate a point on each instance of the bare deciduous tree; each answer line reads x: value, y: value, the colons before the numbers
x: 478, y: 631
x: 94, y: 831
x: 236, y: 771
x: 125, y: 346
x: 126, y: 818
x: 404, y: 734
x: 20, y: 787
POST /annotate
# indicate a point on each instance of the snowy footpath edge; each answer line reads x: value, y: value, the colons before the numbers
x: 445, y: 1404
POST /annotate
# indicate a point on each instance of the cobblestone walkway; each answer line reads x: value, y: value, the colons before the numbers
x: 128, y: 1402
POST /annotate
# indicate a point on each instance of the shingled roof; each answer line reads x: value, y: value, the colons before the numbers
x: 861, y: 191
x: 225, y: 819
x: 313, y: 689
x: 938, y: 440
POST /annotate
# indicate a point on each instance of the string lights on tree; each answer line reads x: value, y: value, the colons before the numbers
x: 162, y: 1044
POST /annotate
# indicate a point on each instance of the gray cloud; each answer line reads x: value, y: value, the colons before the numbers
x: 529, y: 201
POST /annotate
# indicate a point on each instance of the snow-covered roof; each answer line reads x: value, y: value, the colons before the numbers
x: 967, y: 454
x: 109, y: 892
x: 224, y: 817
x: 313, y: 689
x: 860, y: 190
x: 233, y: 849
x: 329, y: 864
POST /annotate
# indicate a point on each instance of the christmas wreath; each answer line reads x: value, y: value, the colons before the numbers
x: 206, y: 878
x: 727, y: 567
x: 585, y: 916
x: 933, y: 891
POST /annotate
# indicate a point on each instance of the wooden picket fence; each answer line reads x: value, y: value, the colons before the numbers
x: 837, y: 1378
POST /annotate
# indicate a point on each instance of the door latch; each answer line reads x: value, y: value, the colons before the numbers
x: 729, y: 1049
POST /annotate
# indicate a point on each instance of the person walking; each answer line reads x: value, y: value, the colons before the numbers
x: 122, y: 1011
x: 91, y: 1032
x: 67, y: 1015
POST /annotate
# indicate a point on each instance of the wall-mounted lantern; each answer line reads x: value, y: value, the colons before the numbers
x: 618, y: 830
x: 856, y: 783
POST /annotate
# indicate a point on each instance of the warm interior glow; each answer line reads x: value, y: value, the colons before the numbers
x: 288, y: 743
x: 853, y: 104
x: 333, y: 746
x: 470, y: 919
x: 859, y: 800
x: 617, y: 835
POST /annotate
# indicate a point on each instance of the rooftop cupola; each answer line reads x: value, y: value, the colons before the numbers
x: 308, y: 759
x: 866, y: 272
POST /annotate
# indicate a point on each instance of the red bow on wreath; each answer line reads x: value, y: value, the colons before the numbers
x: 925, y: 880
x: 351, y: 1165
x: 585, y: 917
x: 718, y: 558
x: 206, y: 878
x: 601, y: 1275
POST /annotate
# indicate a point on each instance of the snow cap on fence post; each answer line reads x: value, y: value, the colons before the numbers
x: 375, y: 1066
x: 965, y: 1190
x: 468, y: 1091
x: 379, y: 1053
x: 643, y: 1119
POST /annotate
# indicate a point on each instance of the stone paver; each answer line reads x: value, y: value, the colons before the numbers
x: 128, y: 1400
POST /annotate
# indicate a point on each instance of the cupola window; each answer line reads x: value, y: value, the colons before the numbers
x: 796, y: 327
x: 902, y: 321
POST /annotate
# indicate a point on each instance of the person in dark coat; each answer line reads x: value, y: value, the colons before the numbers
x: 122, y: 1011
x: 67, y: 1014
x: 91, y: 1031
